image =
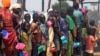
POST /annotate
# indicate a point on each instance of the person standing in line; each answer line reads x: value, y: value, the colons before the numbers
x: 71, y: 26
x: 57, y: 33
x: 64, y: 30
x: 50, y: 42
x: 79, y: 19
x: 25, y: 36
x: 8, y: 25
x: 44, y: 32
x: 36, y: 35
x: 90, y: 39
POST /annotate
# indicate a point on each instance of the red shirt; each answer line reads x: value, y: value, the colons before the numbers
x: 89, y: 42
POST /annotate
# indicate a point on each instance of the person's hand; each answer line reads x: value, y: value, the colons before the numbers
x: 20, y: 22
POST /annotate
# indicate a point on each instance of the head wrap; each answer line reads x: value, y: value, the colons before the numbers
x: 5, y: 3
x: 50, y: 10
x: 15, y: 6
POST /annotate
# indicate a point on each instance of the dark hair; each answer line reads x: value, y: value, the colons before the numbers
x: 70, y: 11
x: 92, y: 22
x: 24, y: 25
x: 91, y: 31
x: 35, y: 17
x: 42, y: 18
x: 27, y: 15
x: 75, y: 5
x: 63, y: 13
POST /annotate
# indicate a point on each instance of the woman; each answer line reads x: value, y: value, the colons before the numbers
x: 8, y: 25
x: 50, y: 42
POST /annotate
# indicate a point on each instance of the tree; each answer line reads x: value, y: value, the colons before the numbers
x: 23, y: 5
x: 64, y: 5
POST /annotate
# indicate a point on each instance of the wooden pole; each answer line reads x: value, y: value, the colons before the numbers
x: 42, y: 5
x: 49, y: 3
x: 98, y: 5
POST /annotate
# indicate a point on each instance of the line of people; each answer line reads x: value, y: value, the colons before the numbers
x: 52, y: 36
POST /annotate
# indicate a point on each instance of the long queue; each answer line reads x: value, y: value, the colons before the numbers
x: 67, y: 34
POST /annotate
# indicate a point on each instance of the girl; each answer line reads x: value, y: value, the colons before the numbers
x: 8, y: 25
x: 50, y: 42
x: 25, y: 37
x: 44, y: 32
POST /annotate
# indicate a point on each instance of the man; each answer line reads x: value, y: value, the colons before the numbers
x: 8, y: 25
x: 78, y: 15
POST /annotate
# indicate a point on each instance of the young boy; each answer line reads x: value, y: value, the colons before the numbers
x: 90, y: 39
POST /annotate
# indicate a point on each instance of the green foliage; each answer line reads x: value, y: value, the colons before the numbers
x: 64, y: 5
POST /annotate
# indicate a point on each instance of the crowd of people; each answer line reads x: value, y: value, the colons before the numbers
x: 64, y: 33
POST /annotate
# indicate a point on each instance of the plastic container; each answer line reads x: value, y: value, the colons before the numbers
x: 20, y: 46
x: 49, y: 23
x: 4, y: 32
x: 40, y: 48
x: 52, y: 49
x: 63, y: 39
x: 76, y: 44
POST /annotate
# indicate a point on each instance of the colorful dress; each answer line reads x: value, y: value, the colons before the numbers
x: 25, y: 40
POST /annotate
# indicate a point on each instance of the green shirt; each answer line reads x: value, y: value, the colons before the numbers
x: 71, y: 24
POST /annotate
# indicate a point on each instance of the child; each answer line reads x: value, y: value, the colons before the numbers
x: 25, y: 37
x: 44, y: 33
x: 36, y: 35
x: 27, y: 18
x: 90, y: 39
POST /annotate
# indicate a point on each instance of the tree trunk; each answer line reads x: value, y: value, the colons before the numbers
x: 23, y: 2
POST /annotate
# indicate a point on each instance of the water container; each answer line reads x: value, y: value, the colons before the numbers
x: 40, y: 48
x: 63, y: 39
x: 4, y: 32
x: 49, y: 23
x: 52, y: 49
x: 76, y: 44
